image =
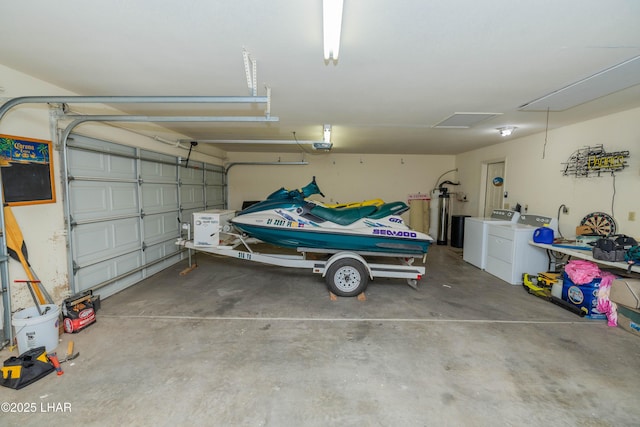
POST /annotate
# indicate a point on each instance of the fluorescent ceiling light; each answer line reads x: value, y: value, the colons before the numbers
x: 331, y: 28
x: 326, y: 133
x: 325, y: 144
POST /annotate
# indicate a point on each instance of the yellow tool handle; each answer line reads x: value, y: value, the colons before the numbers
x: 70, y: 348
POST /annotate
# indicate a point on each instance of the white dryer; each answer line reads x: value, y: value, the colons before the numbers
x: 474, y: 248
x: 509, y: 253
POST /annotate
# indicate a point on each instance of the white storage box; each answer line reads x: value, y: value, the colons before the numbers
x: 207, y: 226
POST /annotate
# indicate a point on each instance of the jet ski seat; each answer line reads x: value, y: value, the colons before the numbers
x: 343, y: 216
x: 393, y: 208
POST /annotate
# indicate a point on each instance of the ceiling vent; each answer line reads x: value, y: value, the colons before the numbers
x: 464, y: 120
x: 606, y: 82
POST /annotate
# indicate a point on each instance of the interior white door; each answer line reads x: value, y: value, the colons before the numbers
x: 494, y: 188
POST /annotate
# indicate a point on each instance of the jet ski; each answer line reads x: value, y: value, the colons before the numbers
x: 288, y: 218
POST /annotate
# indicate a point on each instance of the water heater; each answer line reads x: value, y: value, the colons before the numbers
x: 444, y: 200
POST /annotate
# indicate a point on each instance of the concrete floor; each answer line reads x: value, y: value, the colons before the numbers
x: 236, y: 343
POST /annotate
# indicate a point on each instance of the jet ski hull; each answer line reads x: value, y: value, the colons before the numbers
x: 380, y: 239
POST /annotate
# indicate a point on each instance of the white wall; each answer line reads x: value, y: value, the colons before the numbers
x: 43, y: 225
x: 341, y: 177
x: 538, y: 182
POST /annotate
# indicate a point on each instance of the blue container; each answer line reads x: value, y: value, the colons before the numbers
x: 583, y: 296
x: 543, y: 235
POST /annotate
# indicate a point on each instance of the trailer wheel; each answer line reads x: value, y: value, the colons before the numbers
x: 347, y: 277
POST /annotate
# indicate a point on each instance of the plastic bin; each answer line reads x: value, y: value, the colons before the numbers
x: 457, y: 230
x: 35, y: 330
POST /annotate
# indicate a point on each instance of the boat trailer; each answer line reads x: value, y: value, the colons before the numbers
x: 347, y: 273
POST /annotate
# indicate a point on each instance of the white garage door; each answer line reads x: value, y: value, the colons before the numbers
x: 125, y: 210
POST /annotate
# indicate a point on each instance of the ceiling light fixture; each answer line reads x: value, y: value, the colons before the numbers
x: 506, y: 130
x: 325, y: 144
x: 326, y: 133
x: 331, y: 28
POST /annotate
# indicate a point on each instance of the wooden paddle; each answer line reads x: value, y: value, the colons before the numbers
x: 17, y: 249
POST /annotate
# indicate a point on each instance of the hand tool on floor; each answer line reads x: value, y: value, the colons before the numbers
x: 53, y: 358
x: 535, y: 286
x: 17, y: 249
x: 70, y: 355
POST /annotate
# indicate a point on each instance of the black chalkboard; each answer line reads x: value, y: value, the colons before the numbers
x: 24, y: 182
x: 26, y: 170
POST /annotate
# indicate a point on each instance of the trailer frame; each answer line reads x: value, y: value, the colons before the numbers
x: 347, y: 273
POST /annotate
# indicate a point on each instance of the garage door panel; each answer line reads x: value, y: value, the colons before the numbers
x: 158, y: 172
x: 154, y: 157
x: 84, y: 163
x: 92, y: 199
x: 159, y: 227
x: 124, y: 198
x: 96, y: 274
x: 101, y: 146
x: 160, y: 250
x: 89, y: 241
x: 101, y: 240
x: 159, y: 197
x: 121, y: 167
x: 194, y: 174
x: 214, y: 176
x: 215, y: 199
x: 126, y: 234
x: 89, y: 199
x: 192, y: 196
x: 214, y: 188
x: 100, y: 165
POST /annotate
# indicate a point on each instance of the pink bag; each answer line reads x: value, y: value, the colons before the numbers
x: 581, y: 272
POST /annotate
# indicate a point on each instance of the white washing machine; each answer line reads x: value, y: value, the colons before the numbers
x: 474, y: 248
x: 509, y: 253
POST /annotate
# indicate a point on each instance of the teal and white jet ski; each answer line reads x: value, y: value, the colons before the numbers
x: 287, y: 218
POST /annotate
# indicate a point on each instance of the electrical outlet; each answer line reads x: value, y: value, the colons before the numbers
x: 565, y: 210
x: 632, y: 216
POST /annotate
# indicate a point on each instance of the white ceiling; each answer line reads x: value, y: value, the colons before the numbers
x: 404, y: 65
